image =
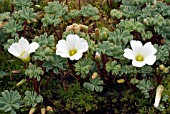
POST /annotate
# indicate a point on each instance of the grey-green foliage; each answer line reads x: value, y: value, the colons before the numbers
x: 152, y: 16
x: 165, y: 30
x: 19, y: 4
x: 83, y: 67
x: 54, y: 12
x: 94, y: 84
x: 25, y: 14
x: 90, y: 11
x: 128, y: 69
x: 34, y: 71
x: 113, y: 67
x: 120, y: 37
x: 130, y: 11
x: 43, y: 53
x: 56, y: 63
x: 5, y: 16
x: 145, y: 86
x: 116, y: 13
x: 44, y: 40
x: 136, y: 2
x: 162, y: 53
x: 131, y: 25
x: 12, y: 27
x: 10, y: 101
x: 163, y: 8
x: 74, y: 13
x: 32, y: 99
x: 146, y: 71
x: 110, y: 49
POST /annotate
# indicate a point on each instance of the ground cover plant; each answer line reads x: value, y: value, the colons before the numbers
x: 84, y: 56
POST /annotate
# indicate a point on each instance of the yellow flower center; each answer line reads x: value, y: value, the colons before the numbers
x: 25, y: 56
x: 72, y: 52
x: 139, y: 58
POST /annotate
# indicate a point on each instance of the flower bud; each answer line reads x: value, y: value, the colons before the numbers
x: 76, y: 28
x: 120, y: 81
x: 95, y: 74
x: 104, y: 35
x: 49, y: 109
x: 97, y: 33
x: 159, y: 91
x: 69, y: 28
x: 97, y: 57
x: 83, y: 27
x: 32, y: 110
x: 21, y: 82
x: 163, y: 41
x: 145, y: 21
x: 161, y: 67
x: 166, y: 70
x: 16, y: 71
x: 28, y: 22
x: 35, y: 20
x: 43, y: 110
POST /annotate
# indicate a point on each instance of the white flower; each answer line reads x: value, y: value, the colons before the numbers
x: 22, y: 49
x: 159, y: 91
x: 73, y: 47
x: 139, y: 54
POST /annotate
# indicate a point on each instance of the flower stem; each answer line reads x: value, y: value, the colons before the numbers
x: 35, y: 85
x: 128, y: 82
x: 25, y: 27
x: 79, y: 3
x: 61, y: 32
x: 55, y: 39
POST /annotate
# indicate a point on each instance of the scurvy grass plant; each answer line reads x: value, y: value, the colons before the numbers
x: 81, y: 51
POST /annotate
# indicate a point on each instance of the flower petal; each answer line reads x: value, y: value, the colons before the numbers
x: 136, y: 46
x: 62, y: 46
x: 129, y: 54
x: 62, y: 54
x: 150, y: 60
x: 138, y: 64
x: 81, y: 45
x: 33, y: 46
x: 15, y: 50
x: 77, y: 56
x: 148, y: 49
x: 24, y: 44
x: 71, y: 40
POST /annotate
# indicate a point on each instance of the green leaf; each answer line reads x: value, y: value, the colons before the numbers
x: 89, y: 10
x: 7, y: 101
x: 19, y: 4
x: 120, y: 38
x: 83, y: 67
x: 2, y: 73
x: 95, y: 84
x: 113, y: 67
x: 145, y: 86
x: 34, y: 71
x: 32, y: 99
x: 56, y: 63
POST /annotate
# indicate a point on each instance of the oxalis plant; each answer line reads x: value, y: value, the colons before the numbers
x: 54, y: 53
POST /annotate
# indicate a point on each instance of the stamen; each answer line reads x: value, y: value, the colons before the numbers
x: 72, y: 52
x: 139, y: 58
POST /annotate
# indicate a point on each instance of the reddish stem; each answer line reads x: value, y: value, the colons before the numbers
x: 79, y: 3
x: 35, y: 85
x: 25, y: 27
